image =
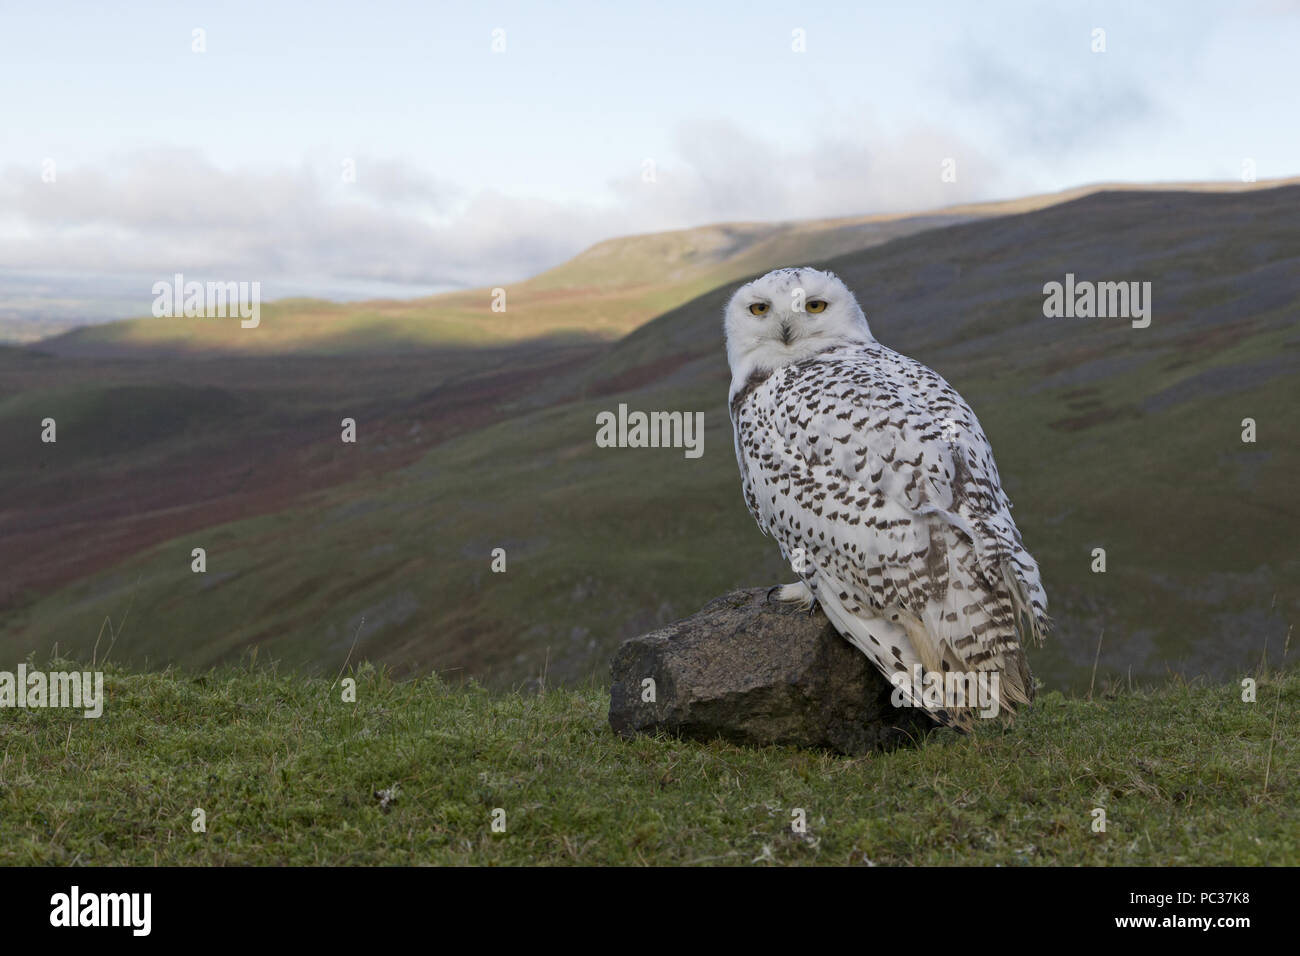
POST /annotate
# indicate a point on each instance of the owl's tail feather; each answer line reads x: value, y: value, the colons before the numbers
x: 1032, y: 623
x: 1017, y: 683
x: 886, y: 644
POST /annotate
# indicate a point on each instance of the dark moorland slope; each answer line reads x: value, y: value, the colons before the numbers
x: 1107, y: 436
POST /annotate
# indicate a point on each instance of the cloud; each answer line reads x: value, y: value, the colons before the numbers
x: 394, y: 183
x: 726, y: 173
x: 1052, y: 111
x: 167, y: 210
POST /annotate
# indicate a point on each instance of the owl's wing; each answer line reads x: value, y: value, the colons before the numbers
x: 879, y: 475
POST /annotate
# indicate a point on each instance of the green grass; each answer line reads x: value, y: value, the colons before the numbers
x: 287, y: 773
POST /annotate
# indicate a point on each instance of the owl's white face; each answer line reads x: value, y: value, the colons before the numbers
x: 787, y: 316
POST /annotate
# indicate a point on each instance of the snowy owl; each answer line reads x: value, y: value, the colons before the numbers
x: 878, y: 484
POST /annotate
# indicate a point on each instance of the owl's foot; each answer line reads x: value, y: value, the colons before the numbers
x: 797, y: 593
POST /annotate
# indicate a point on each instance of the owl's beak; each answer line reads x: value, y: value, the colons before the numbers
x: 787, y: 334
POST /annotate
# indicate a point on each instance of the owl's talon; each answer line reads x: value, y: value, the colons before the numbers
x: 798, y: 594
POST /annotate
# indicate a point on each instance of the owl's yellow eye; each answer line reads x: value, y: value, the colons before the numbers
x: 815, y: 305
x: 759, y: 308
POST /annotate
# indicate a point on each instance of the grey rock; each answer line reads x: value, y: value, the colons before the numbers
x: 758, y: 673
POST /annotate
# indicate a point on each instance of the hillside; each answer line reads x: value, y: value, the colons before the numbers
x: 603, y: 293
x: 1106, y: 436
x: 411, y: 774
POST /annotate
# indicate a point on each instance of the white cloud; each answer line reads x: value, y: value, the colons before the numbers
x: 165, y: 210
x: 726, y: 173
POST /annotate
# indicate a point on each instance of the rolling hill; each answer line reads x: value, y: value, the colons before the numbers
x: 1107, y: 436
x: 602, y: 294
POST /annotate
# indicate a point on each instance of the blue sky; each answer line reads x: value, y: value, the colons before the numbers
x: 477, y: 167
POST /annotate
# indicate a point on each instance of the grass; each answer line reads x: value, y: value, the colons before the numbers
x: 287, y: 773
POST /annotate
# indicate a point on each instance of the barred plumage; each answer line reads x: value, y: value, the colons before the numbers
x: 876, y: 479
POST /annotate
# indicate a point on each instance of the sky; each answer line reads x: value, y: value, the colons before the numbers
x: 369, y: 145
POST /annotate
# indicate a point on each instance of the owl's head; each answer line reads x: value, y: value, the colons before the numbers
x: 787, y: 316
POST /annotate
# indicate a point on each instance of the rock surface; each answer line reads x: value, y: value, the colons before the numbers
x: 758, y: 673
